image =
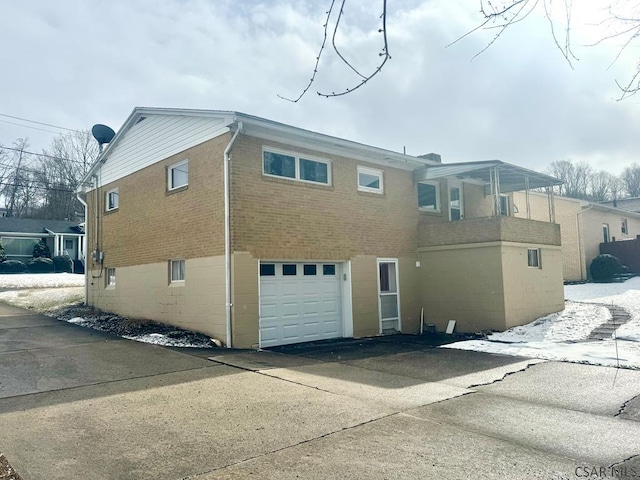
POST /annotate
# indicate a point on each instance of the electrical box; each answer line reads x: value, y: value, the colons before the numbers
x: 97, y: 256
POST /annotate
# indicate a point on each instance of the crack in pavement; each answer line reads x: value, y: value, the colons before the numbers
x: 624, y: 405
x: 302, y: 442
x: 527, y: 367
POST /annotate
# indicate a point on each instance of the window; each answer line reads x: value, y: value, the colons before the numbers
x: 624, y: 228
x: 112, y: 199
x: 176, y: 270
x: 429, y: 196
x: 606, y: 238
x: 111, y: 277
x: 310, y: 269
x: 288, y: 165
x: 370, y: 180
x: 504, y: 205
x: 19, y: 247
x: 68, y: 244
x: 533, y: 257
x: 328, y: 269
x: 267, y: 270
x: 178, y: 175
x: 289, y: 269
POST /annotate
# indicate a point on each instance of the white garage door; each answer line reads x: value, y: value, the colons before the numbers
x: 299, y: 302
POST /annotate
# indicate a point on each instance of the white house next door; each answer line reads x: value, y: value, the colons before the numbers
x: 388, y: 296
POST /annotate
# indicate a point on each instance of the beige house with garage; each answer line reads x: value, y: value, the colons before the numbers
x: 584, y: 226
x: 262, y: 234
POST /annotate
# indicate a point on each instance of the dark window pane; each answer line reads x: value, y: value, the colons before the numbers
x: 310, y: 270
x: 427, y: 196
x: 289, y: 269
x: 368, y: 180
x: 328, y: 269
x: 280, y: 165
x: 267, y: 269
x: 313, y: 171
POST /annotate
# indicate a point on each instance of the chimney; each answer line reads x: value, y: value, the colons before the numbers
x: 433, y: 157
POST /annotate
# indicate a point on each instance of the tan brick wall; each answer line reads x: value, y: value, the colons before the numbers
x: 281, y: 219
x: 465, y: 284
x: 530, y: 293
x: 144, y: 291
x: 566, y: 213
x: 489, y: 229
x: 152, y: 225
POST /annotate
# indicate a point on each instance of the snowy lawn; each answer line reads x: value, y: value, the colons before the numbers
x: 40, y: 280
x: 563, y: 335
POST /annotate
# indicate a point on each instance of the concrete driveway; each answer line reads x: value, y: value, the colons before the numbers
x: 76, y: 403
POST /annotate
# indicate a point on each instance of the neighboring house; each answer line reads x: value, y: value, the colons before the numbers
x: 19, y: 235
x: 629, y: 204
x: 583, y: 227
x: 261, y: 234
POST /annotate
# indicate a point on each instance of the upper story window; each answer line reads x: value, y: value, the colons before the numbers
x: 370, y: 180
x: 112, y: 199
x: 533, y: 258
x: 505, y: 211
x: 178, y: 175
x: 429, y: 196
x: 624, y: 227
x: 287, y: 165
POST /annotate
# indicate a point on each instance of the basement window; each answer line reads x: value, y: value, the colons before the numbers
x: 111, y: 277
x: 533, y: 258
x: 176, y: 271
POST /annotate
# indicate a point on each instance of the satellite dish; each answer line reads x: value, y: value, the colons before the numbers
x: 102, y: 133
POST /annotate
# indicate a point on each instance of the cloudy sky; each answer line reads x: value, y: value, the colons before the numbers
x: 74, y: 63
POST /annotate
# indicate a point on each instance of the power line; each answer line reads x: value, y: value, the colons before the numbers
x: 28, y: 126
x: 87, y: 163
x: 39, y: 123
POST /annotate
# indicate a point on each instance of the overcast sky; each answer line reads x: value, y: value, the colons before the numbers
x: 74, y: 63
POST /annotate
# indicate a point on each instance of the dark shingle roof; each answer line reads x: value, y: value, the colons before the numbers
x: 631, y: 204
x: 28, y: 225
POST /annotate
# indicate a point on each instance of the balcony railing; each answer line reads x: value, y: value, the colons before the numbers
x: 489, y: 229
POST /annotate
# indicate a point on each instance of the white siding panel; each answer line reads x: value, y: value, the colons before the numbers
x: 156, y: 138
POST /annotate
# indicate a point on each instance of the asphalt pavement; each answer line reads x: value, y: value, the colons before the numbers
x: 76, y: 403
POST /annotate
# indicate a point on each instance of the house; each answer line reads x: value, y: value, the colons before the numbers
x: 629, y: 204
x: 19, y: 235
x: 584, y: 226
x: 260, y: 234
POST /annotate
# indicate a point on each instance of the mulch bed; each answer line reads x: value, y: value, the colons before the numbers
x: 6, y: 471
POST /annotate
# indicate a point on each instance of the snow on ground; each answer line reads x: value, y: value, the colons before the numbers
x: 43, y: 300
x: 40, y: 280
x: 563, y: 335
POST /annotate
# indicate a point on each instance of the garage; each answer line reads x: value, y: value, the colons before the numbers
x: 299, y: 302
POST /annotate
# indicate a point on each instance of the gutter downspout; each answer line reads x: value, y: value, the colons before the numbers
x: 84, y: 249
x: 227, y: 233
x: 583, y: 275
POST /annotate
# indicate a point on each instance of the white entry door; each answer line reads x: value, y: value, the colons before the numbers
x: 388, y: 296
x: 299, y: 302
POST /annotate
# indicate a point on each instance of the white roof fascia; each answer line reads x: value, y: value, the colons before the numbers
x: 269, y: 130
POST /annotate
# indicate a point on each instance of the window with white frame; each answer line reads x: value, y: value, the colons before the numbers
x: 624, y: 227
x: 370, y: 180
x: 176, y: 271
x: 112, y: 199
x: 533, y: 258
x: 111, y: 277
x: 429, y: 196
x: 178, y: 175
x: 294, y: 167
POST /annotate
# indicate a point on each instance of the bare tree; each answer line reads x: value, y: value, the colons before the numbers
x: 602, y: 186
x: 576, y: 178
x: 17, y: 183
x: 61, y: 168
x: 630, y: 179
x: 498, y: 15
